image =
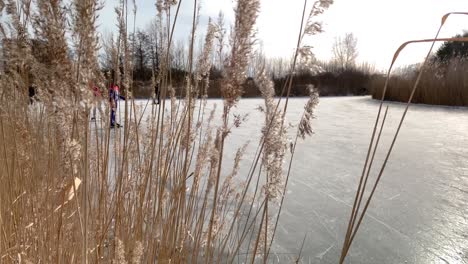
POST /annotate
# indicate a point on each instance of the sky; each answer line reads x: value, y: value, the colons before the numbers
x: 380, y: 26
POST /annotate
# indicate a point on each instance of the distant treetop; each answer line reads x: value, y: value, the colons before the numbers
x: 450, y: 50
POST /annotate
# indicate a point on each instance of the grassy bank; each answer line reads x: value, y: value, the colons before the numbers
x: 441, y: 84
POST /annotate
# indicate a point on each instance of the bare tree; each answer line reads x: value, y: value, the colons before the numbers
x: 277, y: 67
x: 179, y: 56
x: 141, y: 56
x: 345, y: 51
x: 154, y: 44
x: 109, y: 50
x: 256, y: 63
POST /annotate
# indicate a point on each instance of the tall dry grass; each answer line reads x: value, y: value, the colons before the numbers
x: 441, y: 84
x: 157, y: 190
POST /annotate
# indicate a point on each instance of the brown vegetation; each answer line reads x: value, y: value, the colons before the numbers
x: 442, y: 83
x: 352, y: 81
x: 157, y: 190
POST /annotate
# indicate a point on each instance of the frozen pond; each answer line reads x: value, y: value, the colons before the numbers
x: 419, y: 213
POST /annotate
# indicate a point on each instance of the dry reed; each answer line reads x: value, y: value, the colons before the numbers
x: 441, y: 84
x: 75, y: 191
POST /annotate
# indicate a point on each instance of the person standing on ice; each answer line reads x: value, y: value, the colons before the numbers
x: 156, y: 94
x: 32, y: 94
x: 114, y: 97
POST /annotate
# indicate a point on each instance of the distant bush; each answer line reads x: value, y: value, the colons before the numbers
x: 340, y: 83
x: 331, y: 80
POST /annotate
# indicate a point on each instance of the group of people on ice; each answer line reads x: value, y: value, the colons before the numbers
x: 114, y: 97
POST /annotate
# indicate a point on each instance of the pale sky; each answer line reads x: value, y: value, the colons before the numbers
x: 379, y: 25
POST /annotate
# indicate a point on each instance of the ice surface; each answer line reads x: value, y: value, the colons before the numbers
x: 420, y: 211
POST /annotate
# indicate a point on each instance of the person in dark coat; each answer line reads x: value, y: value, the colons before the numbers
x: 32, y: 94
x: 156, y: 94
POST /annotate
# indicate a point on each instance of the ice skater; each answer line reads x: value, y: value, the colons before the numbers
x: 32, y: 94
x: 156, y: 94
x: 114, y: 97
